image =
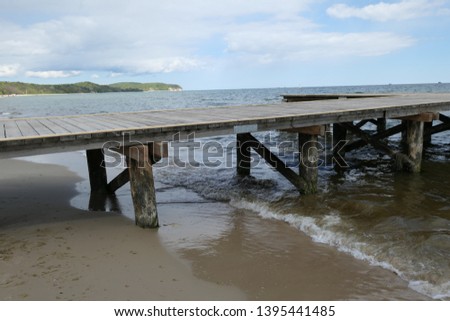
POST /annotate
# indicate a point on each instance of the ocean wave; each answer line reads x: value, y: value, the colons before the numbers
x: 327, y: 230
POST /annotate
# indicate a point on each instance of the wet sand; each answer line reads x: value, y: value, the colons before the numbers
x: 203, y: 250
x: 50, y: 251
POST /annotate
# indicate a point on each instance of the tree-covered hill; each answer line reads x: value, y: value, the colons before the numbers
x: 20, y: 88
x: 146, y: 86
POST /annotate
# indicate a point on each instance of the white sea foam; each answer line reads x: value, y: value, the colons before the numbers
x: 437, y: 292
x: 326, y: 230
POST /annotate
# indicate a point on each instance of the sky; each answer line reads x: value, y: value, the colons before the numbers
x: 223, y: 44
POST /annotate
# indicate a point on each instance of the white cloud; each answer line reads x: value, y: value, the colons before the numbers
x: 52, y: 74
x: 9, y: 70
x: 382, y: 11
x: 149, y: 36
x: 267, y: 43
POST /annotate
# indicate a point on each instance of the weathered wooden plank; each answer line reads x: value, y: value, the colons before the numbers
x: 12, y: 130
x: 144, y: 119
x: 66, y: 125
x: 2, y: 130
x: 25, y: 128
x: 40, y: 128
x: 122, y: 122
x: 78, y: 122
x: 57, y: 129
x: 96, y: 124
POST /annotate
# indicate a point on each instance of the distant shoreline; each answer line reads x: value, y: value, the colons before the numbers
x: 11, y: 89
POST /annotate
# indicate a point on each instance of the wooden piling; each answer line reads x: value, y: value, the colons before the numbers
x: 308, y: 165
x: 381, y: 124
x: 143, y: 191
x: 339, y: 135
x: 427, y: 132
x: 97, y: 171
x: 243, y: 155
x: 414, y: 141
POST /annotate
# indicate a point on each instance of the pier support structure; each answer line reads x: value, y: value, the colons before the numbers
x: 243, y: 155
x: 306, y: 180
x: 142, y: 187
x: 413, y: 135
x: 414, y: 142
x: 97, y: 171
x: 139, y: 159
x: 308, y: 162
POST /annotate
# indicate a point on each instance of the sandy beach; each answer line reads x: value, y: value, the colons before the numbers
x: 50, y: 250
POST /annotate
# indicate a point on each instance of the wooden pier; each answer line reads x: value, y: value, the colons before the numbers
x: 307, y: 115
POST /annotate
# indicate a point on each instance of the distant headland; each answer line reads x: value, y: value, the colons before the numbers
x: 20, y: 88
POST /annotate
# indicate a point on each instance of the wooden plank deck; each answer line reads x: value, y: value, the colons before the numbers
x: 29, y: 136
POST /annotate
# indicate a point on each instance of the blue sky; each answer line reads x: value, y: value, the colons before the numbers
x: 226, y: 44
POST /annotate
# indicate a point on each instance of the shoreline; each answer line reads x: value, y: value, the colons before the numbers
x: 51, y: 251
x: 203, y: 250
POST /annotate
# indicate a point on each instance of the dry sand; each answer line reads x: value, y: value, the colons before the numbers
x: 203, y: 251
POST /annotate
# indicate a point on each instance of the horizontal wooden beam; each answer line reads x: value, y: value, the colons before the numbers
x: 424, y: 117
x: 150, y: 153
x: 310, y: 130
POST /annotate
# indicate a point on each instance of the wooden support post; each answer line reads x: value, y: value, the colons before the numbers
x: 426, y: 118
x: 414, y: 141
x: 243, y: 155
x: 381, y: 124
x: 339, y: 135
x: 403, y: 142
x: 97, y: 171
x: 143, y: 191
x: 308, y: 166
x: 427, y: 132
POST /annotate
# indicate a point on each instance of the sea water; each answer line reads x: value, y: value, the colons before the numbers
x: 398, y: 221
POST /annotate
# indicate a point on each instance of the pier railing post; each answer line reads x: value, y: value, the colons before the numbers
x: 414, y: 141
x: 143, y: 190
x: 309, y: 160
x: 243, y: 155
